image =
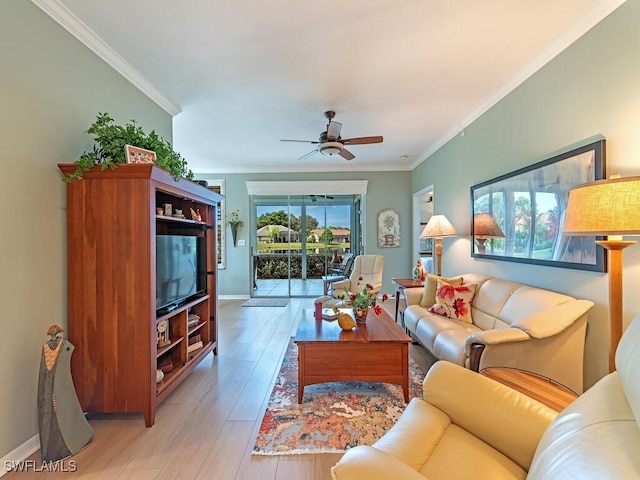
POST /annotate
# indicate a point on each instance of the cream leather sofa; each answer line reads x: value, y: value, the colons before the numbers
x: 514, y: 325
x: 470, y: 427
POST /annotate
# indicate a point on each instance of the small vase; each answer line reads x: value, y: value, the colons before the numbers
x: 234, y: 234
x: 360, y: 314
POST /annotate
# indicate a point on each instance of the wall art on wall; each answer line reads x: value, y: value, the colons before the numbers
x: 519, y: 216
x: 218, y: 186
x: 388, y: 228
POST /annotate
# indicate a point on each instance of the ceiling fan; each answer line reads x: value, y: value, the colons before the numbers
x: 331, y: 143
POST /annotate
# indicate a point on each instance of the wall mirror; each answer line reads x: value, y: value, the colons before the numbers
x: 519, y: 216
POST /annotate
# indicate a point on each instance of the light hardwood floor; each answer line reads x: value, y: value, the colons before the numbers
x: 207, y: 427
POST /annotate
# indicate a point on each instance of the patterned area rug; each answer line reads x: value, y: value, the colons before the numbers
x: 332, y: 417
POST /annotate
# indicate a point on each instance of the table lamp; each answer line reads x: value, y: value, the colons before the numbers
x: 485, y: 227
x: 607, y: 207
x: 437, y: 227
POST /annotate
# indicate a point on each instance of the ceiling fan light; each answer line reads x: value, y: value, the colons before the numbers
x: 330, y: 148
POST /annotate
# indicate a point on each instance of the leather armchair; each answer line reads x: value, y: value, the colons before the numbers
x: 465, y: 426
x: 367, y: 269
x: 468, y: 426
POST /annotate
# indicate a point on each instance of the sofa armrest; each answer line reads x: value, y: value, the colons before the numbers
x: 413, y: 295
x: 553, y: 320
x: 488, y: 410
x: 495, y: 337
x: 369, y: 463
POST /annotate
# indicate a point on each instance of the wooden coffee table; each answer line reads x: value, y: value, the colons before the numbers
x: 375, y: 352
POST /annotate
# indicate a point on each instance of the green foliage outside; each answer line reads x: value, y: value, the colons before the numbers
x: 279, y: 247
x: 281, y: 218
x: 275, y: 266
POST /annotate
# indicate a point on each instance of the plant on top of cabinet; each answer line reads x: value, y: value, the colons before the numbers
x: 109, y: 148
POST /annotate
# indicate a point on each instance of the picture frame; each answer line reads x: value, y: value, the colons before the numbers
x: 528, y: 206
x: 218, y: 186
x: 388, y: 228
x: 139, y: 155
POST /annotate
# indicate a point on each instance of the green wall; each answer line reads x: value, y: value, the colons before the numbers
x: 590, y: 89
x: 52, y: 88
x: 384, y: 190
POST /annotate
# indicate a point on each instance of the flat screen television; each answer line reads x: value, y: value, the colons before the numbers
x: 180, y: 269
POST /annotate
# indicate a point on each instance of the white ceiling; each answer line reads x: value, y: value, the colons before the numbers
x: 241, y: 75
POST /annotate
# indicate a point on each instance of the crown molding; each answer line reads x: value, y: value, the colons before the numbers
x: 581, y: 26
x: 70, y: 22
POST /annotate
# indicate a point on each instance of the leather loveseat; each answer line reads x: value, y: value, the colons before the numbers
x: 513, y: 325
x: 468, y: 426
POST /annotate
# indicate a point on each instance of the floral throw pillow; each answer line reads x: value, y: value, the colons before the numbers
x: 454, y: 301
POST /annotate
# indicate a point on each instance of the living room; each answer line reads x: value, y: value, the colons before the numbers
x: 54, y: 86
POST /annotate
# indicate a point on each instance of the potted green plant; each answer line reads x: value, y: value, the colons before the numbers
x: 110, y: 140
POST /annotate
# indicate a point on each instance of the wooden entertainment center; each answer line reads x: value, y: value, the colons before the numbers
x: 112, y: 225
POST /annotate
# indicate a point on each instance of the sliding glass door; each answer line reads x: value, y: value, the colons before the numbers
x: 296, y: 239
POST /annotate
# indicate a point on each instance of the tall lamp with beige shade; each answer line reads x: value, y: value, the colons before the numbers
x: 484, y: 228
x: 437, y: 227
x: 607, y: 207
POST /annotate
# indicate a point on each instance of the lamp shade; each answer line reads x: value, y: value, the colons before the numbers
x: 604, y: 207
x: 438, y: 226
x: 484, y: 226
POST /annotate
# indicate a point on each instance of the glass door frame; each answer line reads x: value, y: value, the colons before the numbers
x: 354, y: 202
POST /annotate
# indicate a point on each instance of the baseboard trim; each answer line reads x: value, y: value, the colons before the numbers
x: 233, y: 297
x: 20, y: 454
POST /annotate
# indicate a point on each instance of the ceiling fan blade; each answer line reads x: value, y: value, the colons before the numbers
x: 301, y: 141
x: 344, y: 153
x: 361, y: 140
x: 333, y: 130
x: 307, y: 155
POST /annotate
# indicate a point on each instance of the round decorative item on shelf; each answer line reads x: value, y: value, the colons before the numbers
x: 159, y: 375
x: 360, y: 314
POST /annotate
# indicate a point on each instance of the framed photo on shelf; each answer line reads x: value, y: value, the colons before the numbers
x: 139, y: 155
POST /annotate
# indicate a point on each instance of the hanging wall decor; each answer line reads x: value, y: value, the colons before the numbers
x: 388, y: 228
x: 519, y: 216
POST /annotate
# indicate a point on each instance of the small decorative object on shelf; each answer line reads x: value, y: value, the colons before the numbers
x: 193, y: 320
x: 139, y: 155
x: 162, y: 331
x: 195, y: 215
x: 159, y: 375
x: 419, y: 273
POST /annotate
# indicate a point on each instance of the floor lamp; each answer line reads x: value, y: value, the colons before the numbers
x: 607, y: 207
x: 484, y: 228
x: 437, y: 227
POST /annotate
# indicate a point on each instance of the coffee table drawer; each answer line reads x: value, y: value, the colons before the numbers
x: 357, y: 360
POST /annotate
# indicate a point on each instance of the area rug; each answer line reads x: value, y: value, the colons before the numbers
x: 266, y: 302
x: 332, y: 417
